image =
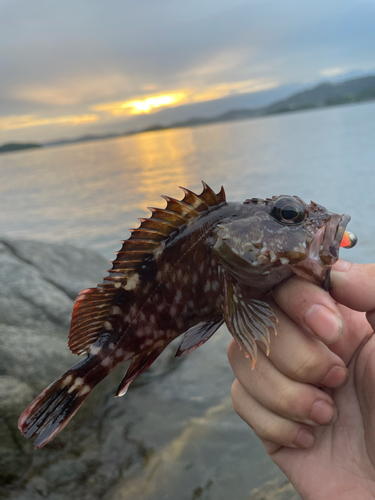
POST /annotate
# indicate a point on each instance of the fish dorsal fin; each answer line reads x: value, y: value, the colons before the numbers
x: 93, y: 305
x: 198, y: 335
x: 248, y: 320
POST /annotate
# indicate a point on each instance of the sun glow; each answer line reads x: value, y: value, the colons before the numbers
x: 138, y: 106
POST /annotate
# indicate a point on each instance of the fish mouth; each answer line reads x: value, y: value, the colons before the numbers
x: 323, y: 251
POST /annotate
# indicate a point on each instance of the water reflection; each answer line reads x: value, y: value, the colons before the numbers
x: 162, y: 164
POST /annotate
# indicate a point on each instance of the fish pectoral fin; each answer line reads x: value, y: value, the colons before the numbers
x: 139, y: 364
x: 198, y: 335
x: 248, y: 320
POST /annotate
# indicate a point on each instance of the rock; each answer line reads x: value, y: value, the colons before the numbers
x: 39, y: 282
x: 67, y: 267
x: 174, y: 434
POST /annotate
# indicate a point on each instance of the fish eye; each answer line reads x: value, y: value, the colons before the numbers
x: 288, y: 210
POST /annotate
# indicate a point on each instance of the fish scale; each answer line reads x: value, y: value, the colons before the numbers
x: 187, y: 269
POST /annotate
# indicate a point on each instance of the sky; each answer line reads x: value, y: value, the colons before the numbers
x: 71, y: 67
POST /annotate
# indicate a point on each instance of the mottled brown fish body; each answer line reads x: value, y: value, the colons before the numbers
x: 187, y: 269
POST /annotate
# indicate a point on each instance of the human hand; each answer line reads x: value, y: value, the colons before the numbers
x: 317, y: 428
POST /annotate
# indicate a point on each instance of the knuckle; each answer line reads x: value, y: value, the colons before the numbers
x: 307, y: 367
x: 291, y: 404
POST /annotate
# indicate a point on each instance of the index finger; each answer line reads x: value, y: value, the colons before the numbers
x: 311, y: 307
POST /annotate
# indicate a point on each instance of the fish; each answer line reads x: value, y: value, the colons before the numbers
x: 189, y: 268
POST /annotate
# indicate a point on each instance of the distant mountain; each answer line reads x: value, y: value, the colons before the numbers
x: 327, y: 94
x: 16, y: 146
x: 322, y: 95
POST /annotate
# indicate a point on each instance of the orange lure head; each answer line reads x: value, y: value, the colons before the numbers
x: 349, y: 240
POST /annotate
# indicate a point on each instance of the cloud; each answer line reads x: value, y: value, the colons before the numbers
x: 335, y: 71
x: 24, y: 121
x: 63, y: 58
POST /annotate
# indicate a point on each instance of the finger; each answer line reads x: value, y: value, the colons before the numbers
x: 271, y: 428
x: 311, y: 307
x: 279, y: 394
x: 302, y: 357
x: 353, y: 286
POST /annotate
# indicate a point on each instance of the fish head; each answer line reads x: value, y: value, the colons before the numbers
x: 271, y: 239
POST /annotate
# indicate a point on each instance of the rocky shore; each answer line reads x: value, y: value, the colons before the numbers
x: 173, y: 436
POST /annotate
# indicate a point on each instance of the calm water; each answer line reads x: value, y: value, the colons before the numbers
x: 90, y: 194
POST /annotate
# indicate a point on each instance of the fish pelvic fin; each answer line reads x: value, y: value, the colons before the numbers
x: 93, y: 306
x: 49, y: 413
x: 198, y: 335
x: 248, y: 320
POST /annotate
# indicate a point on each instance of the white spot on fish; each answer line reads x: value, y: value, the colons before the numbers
x: 116, y: 310
x: 117, y: 285
x: 158, y: 251
x: 112, y: 345
x: 106, y: 361
x: 77, y: 383
x: 284, y: 261
x: 173, y: 311
x: 94, y: 350
x: 67, y: 380
x: 107, y: 325
x: 132, y: 282
x: 119, y: 352
x: 215, y: 285
x: 85, y: 389
x: 178, y: 296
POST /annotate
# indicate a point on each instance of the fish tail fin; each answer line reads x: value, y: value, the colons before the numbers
x: 49, y: 413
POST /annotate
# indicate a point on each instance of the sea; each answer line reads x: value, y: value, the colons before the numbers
x: 90, y: 194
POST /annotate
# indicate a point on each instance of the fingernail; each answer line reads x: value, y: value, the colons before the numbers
x: 336, y: 377
x: 323, y: 413
x: 324, y: 323
x: 304, y: 439
x: 341, y: 266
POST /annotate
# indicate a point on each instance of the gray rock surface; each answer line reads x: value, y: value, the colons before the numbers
x: 174, y: 435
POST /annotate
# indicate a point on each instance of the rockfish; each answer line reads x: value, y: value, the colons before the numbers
x: 189, y: 268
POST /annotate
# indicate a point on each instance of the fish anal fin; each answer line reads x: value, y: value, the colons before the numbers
x: 198, y: 335
x: 248, y: 320
x: 139, y: 364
